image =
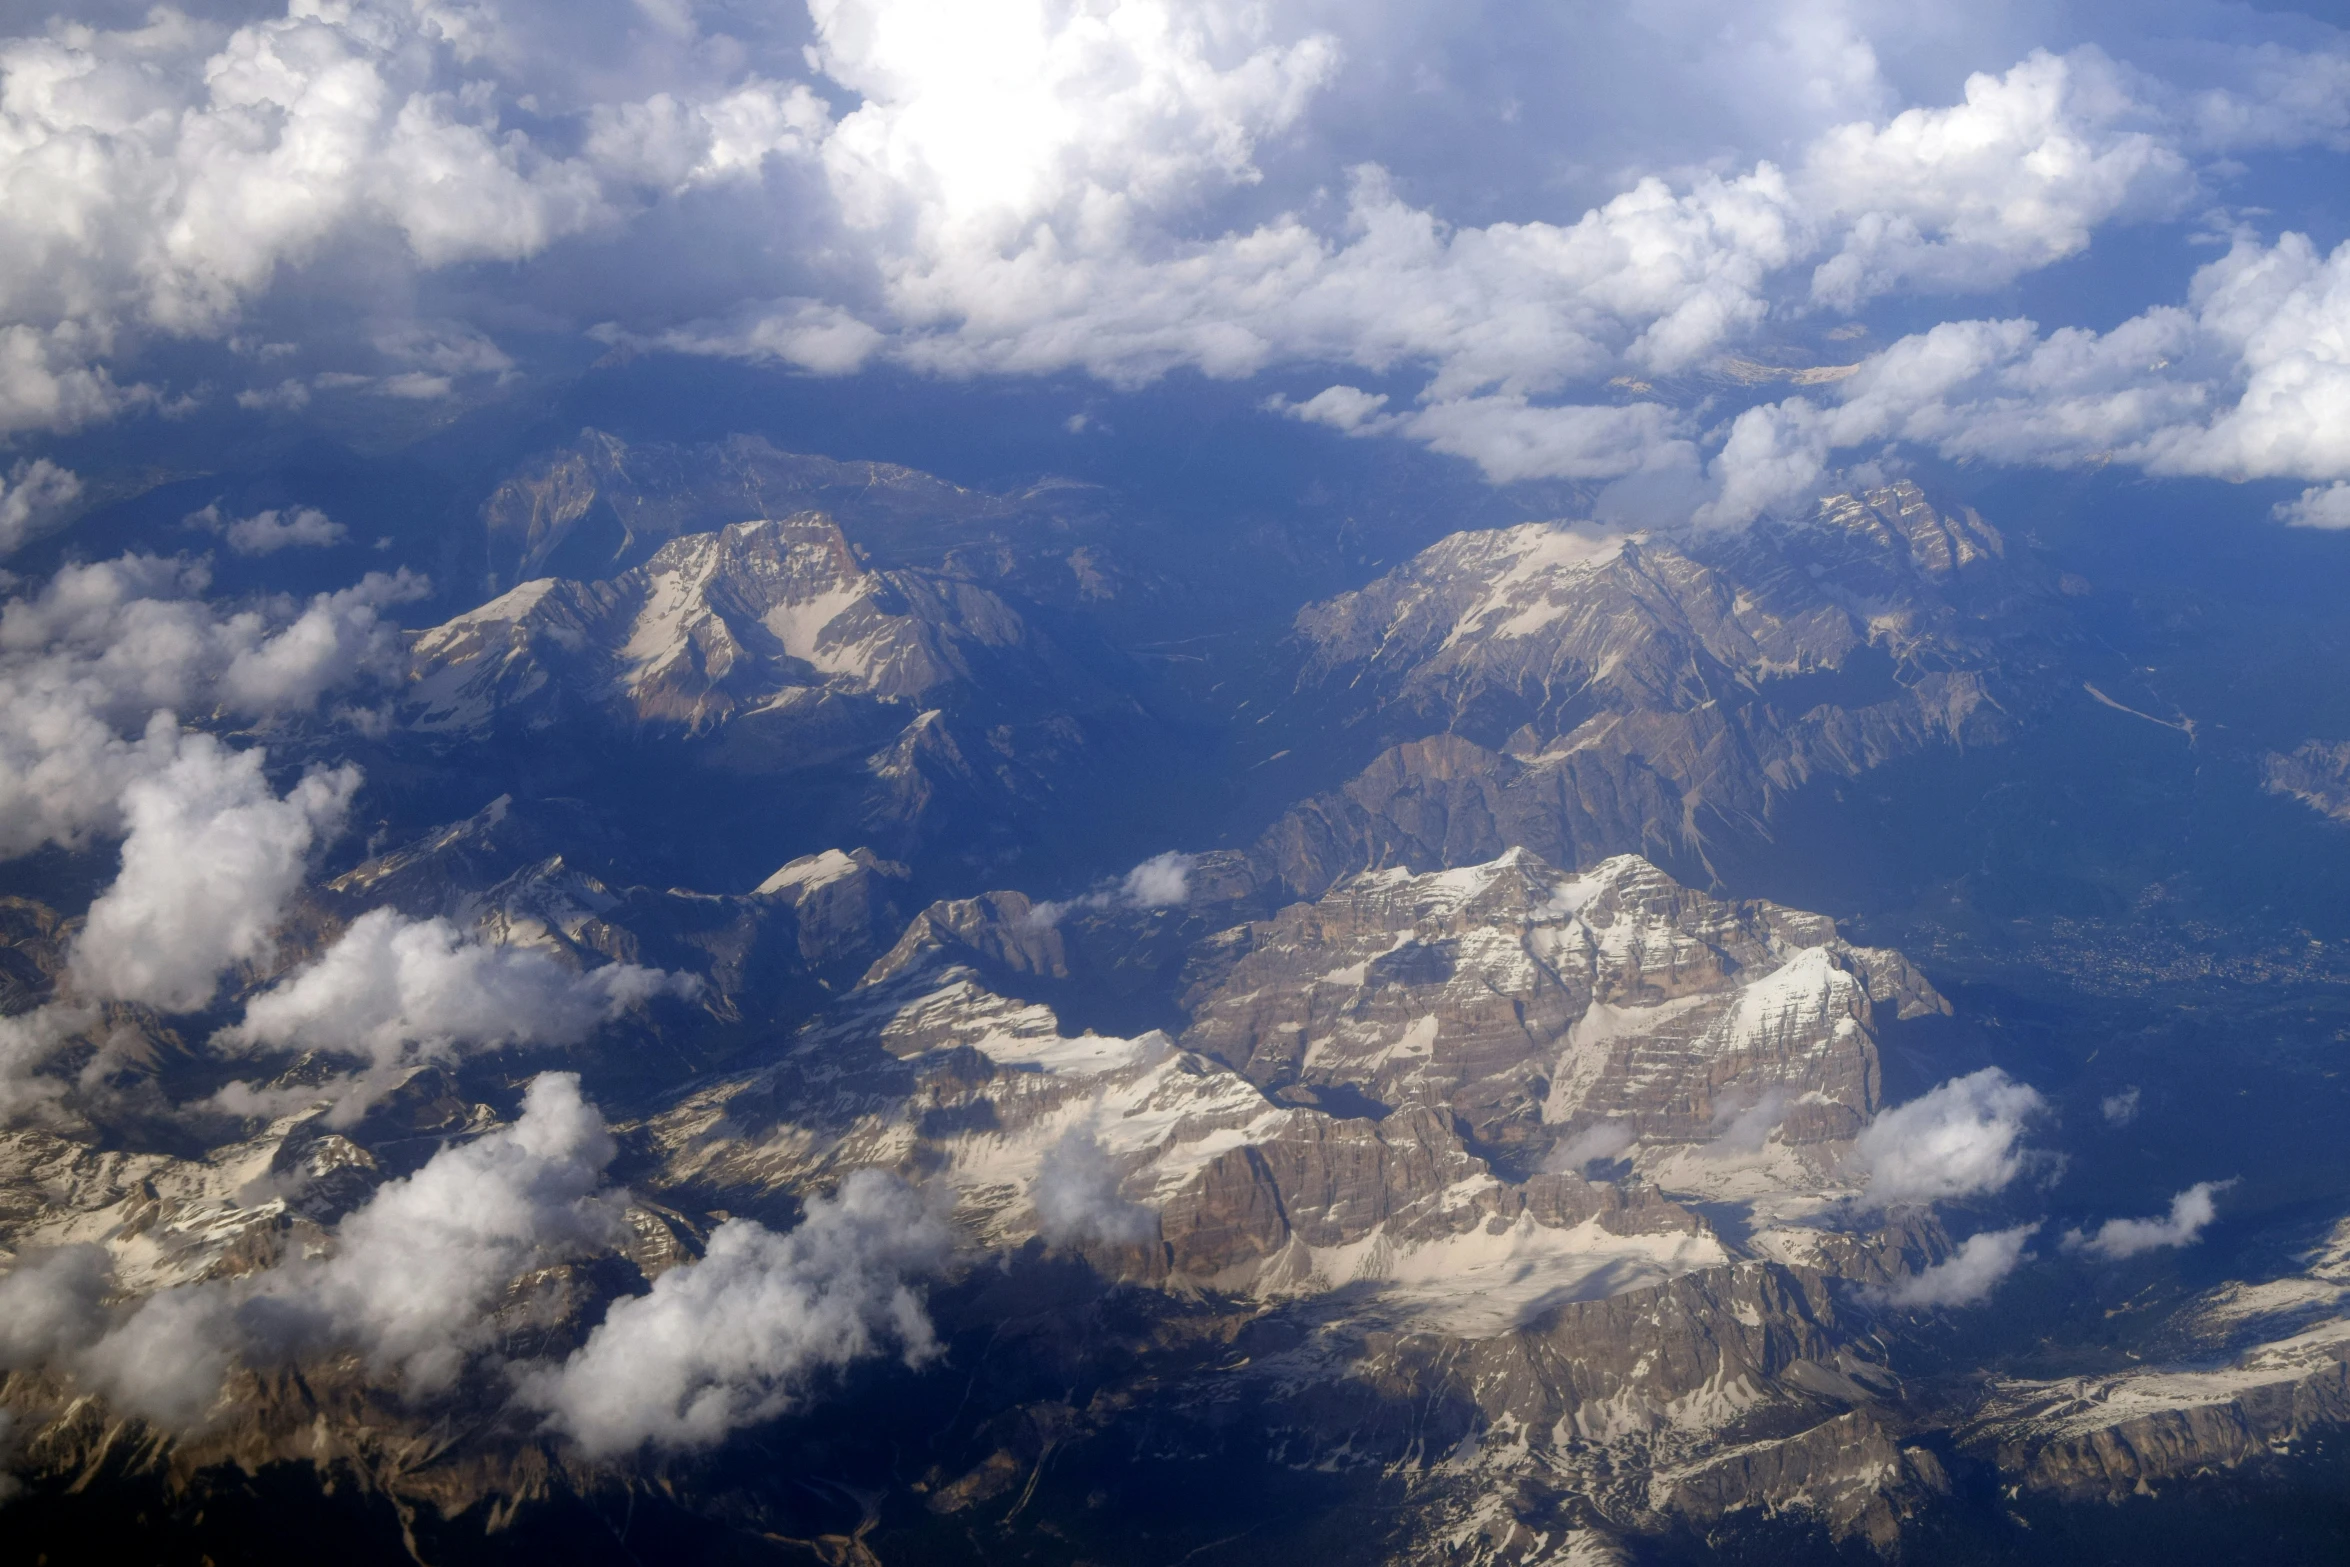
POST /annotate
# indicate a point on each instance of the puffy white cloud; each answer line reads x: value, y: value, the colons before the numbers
x: 411, y: 1283
x: 36, y: 497
x: 415, y: 1272
x: 2249, y: 380
x: 50, y: 1304
x: 1161, y: 881
x: 337, y: 639
x: 2326, y: 506
x: 94, y: 668
x: 678, y: 144
x: 416, y: 1278
x: 1968, y: 1275
x: 735, y: 1337
x: 1959, y: 1140
x: 2015, y: 177
x: 1129, y: 187
x: 2191, y: 1211
x: 91, y: 671
x: 212, y: 857
x: 2119, y: 1108
x: 161, y: 174
x: 1158, y: 882
x: 267, y: 532
x: 1077, y: 1198
x: 987, y: 126
x: 1600, y: 1140
x: 49, y: 382
x: 393, y: 992
x: 2278, y: 319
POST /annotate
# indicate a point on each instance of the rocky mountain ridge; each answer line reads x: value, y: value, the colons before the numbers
x: 1584, y: 694
x: 1162, y: 1163
x: 1447, y: 1134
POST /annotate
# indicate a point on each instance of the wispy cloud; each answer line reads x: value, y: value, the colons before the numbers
x: 2191, y: 1212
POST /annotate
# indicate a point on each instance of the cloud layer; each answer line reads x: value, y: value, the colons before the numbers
x: 98, y: 668
x: 212, y: 856
x: 1131, y: 187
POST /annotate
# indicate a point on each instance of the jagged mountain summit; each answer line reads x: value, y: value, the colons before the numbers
x: 1586, y: 693
x: 761, y: 620
x: 904, y: 704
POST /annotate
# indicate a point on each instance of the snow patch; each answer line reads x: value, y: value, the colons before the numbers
x: 1478, y: 1284
x: 809, y: 871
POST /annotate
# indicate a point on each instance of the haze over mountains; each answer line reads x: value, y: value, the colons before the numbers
x: 1152, y: 783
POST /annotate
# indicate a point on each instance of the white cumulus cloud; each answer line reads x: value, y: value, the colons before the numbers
x: 2319, y: 506
x: 212, y: 857
x: 1962, y: 1139
x: 267, y: 532
x: 2016, y: 176
x: 737, y: 1336
x: 2191, y: 1212
x: 37, y: 497
x: 97, y: 667
x: 412, y: 1279
x: 1159, y: 882
x: 2249, y: 379
x: 1968, y: 1275
x: 393, y: 992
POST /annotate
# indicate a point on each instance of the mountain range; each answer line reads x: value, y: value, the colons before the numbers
x: 1354, y: 1062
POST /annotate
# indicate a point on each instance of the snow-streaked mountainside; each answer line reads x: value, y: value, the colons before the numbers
x: 1378, y: 1127
x: 759, y: 620
x: 808, y: 964
x: 1604, y: 693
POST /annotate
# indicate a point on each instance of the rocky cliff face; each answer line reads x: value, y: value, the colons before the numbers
x: 2254, y: 1368
x: 762, y: 617
x: 1439, y: 1155
x: 2315, y: 773
x: 1585, y: 694
x: 905, y: 705
x: 601, y: 505
x: 1460, y: 1024
x: 1390, y: 1066
x: 1534, y: 1005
